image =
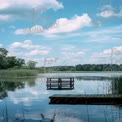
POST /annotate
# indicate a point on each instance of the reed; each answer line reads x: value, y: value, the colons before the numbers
x: 17, y: 73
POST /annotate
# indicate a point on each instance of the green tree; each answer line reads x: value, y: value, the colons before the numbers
x: 20, y: 62
x: 11, y: 61
x: 79, y: 67
x: 3, y: 52
x: 31, y: 64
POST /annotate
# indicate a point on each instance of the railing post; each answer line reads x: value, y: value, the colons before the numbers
x: 70, y: 82
x: 50, y: 83
x: 59, y: 83
x: 47, y: 83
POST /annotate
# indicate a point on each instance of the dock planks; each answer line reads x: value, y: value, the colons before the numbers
x: 92, y: 99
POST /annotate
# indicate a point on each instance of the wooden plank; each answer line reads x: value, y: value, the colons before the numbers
x: 86, y: 99
x: 60, y: 88
x: 86, y: 95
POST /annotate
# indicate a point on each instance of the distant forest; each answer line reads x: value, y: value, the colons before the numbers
x: 87, y: 67
x: 7, y: 62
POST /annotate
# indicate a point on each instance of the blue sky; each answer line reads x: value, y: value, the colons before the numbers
x: 62, y: 32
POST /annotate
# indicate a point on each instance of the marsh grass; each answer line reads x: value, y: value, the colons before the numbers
x: 17, y: 73
x: 117, y: 85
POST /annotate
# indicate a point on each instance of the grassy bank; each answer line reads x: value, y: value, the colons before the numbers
x: 17, y: 73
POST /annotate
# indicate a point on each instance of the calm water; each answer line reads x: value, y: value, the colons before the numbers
x: 28, y: 100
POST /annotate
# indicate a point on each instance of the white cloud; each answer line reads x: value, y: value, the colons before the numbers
x: 28, y: 50
x: 38, y: 52
x: 113, y: 51
x: 34, y: 30
x: 105, y: 38
x: 27, y: 44
x: 73, y: 54
x: 1, y: 45
x: 23, y: 8
x: 116, y: 39
x: 3, y: 5
x: 109, y: 35
x: 113, y: 55
x: 106, y: 7
x: 68, y: 47
x: 62, y: 25
x: 12, y: 27
x: 4, y: 18
x: 50, y: 60
x: 109, y: 13
x: 30, y: 4
x: 71, y: 58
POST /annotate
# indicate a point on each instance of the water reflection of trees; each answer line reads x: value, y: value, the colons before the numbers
x: 13, y: 84
x: 9, y: 86
x: 3, y: 94
x: 117, y: 85
x: 31, y: 82
x: 92, y: 78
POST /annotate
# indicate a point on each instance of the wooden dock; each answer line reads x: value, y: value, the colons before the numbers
x: 93, y: 99
x: 60, y: 83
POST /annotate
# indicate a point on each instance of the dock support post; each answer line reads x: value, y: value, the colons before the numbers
x: 59, y: 83
x: 72, y: 83
x: 50, y: 83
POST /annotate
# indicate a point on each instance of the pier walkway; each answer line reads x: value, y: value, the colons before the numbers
x: 101, y: 99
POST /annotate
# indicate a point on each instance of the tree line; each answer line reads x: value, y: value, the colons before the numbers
x: 7, y: 62
x: 87, y: 67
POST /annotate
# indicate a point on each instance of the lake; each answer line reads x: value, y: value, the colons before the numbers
x: 27, y: 100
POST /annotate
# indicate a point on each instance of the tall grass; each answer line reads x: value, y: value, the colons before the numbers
x: 117, y: 85
x: 17, y: 73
